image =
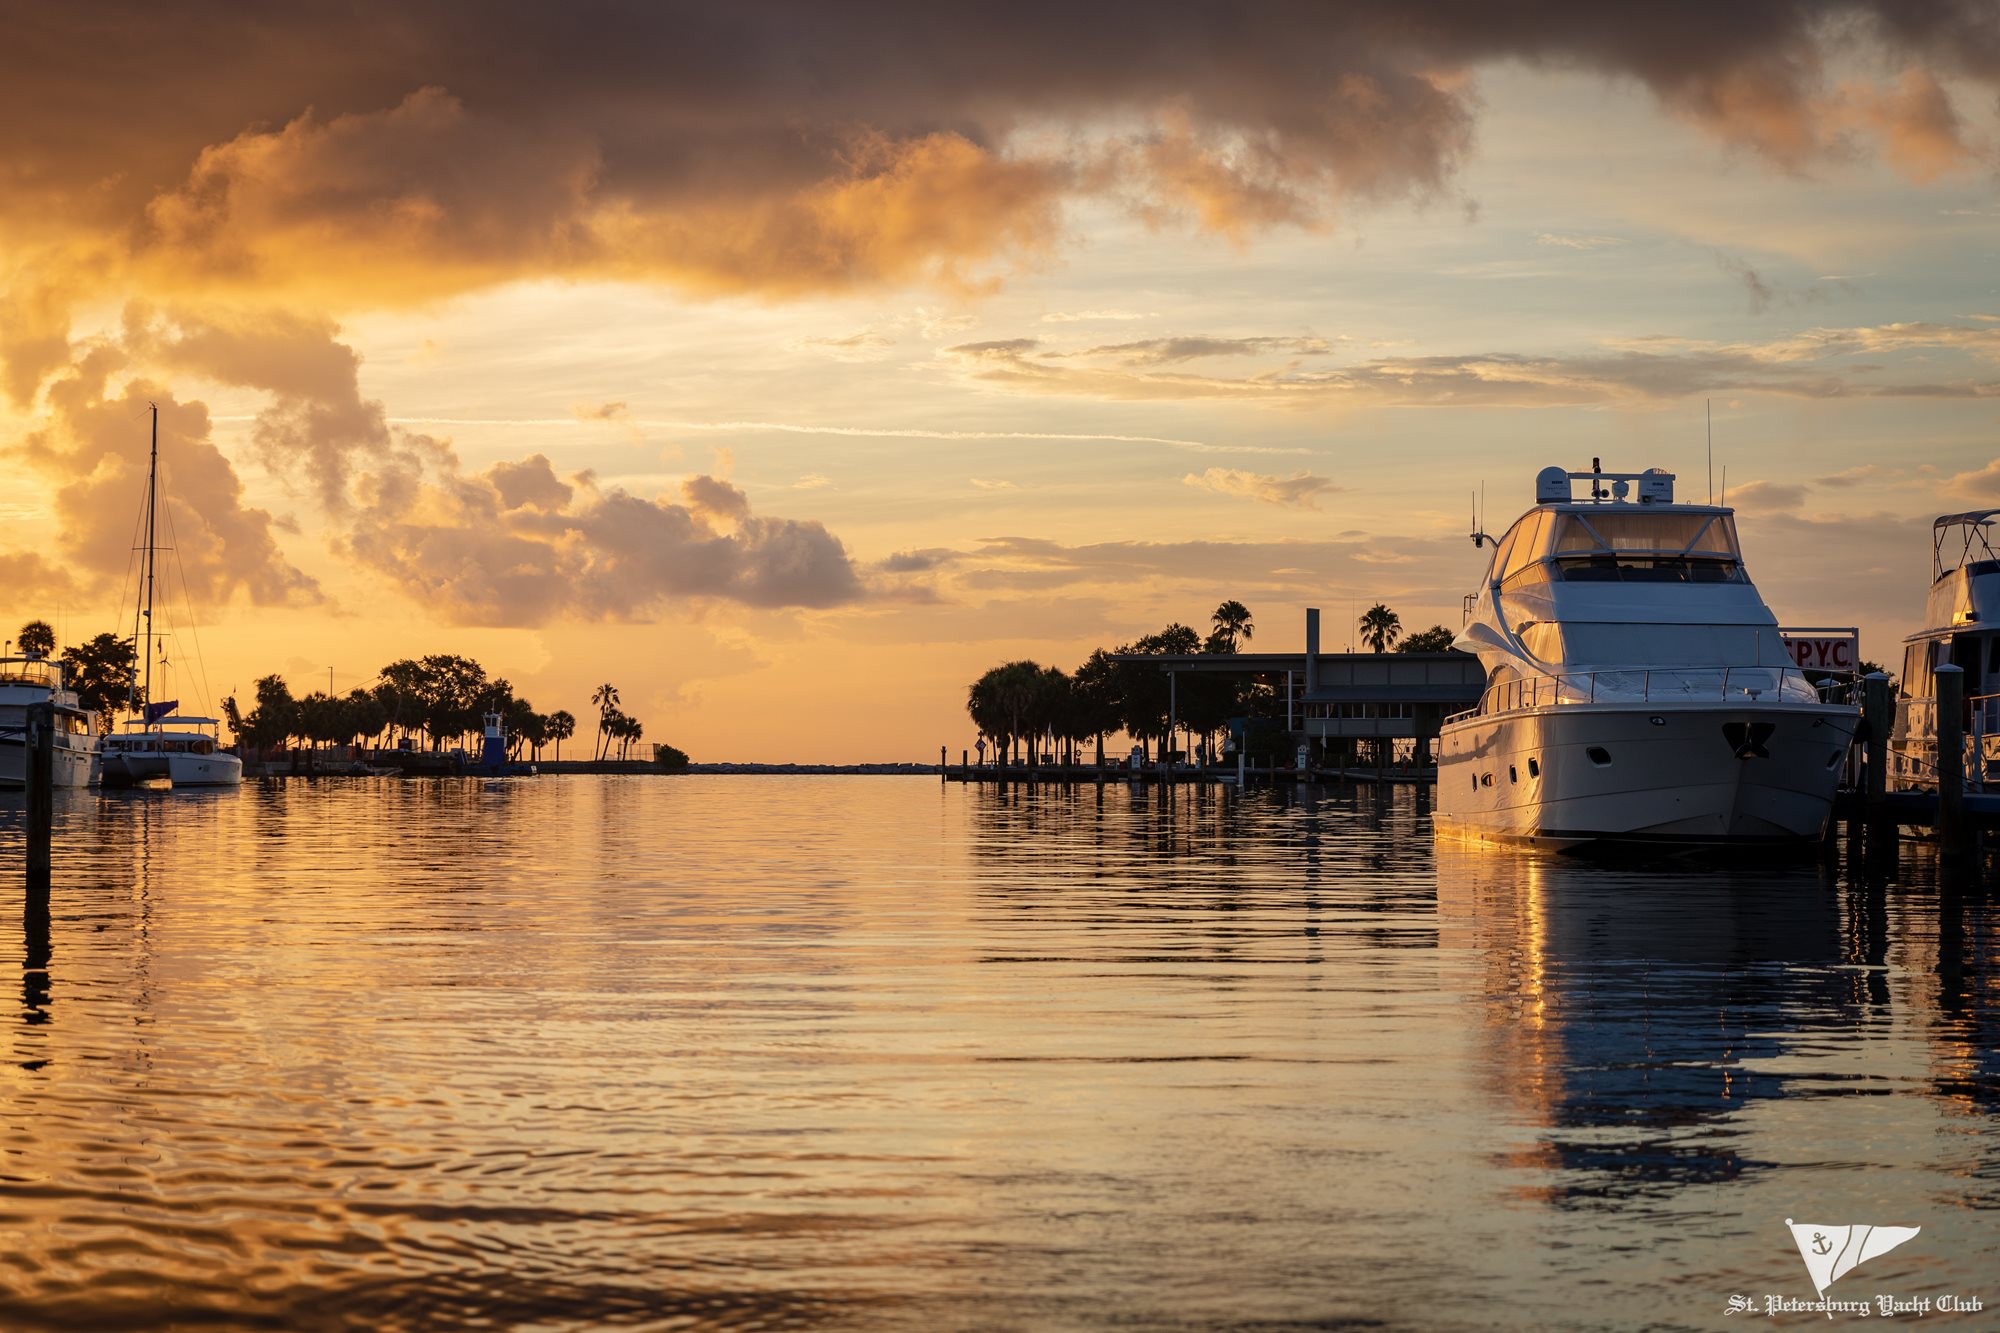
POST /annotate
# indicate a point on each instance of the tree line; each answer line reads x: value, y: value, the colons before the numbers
x: 1025, y: 704
x: 438, y: 699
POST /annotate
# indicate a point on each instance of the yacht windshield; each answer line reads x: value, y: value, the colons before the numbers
x: 1637, y: 546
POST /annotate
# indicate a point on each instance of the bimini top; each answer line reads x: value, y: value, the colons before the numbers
x: 1963, y: 541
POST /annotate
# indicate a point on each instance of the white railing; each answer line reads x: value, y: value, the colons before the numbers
x: 31, y: 671
x: 1737, y: 685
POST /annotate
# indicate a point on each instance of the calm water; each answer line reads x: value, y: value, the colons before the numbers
x: 871, y: 1053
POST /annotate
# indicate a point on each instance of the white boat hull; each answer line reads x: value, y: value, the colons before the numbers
x: 72, y: 762
x: 129, y: 768
x: 1664, y: 773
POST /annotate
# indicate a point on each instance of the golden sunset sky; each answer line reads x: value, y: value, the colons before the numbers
x: 788, y: 364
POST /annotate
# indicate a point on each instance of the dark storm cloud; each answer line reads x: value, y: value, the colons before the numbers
x: 376, y: 151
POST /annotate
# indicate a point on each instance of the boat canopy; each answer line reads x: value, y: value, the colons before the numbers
x: 1963, y: 541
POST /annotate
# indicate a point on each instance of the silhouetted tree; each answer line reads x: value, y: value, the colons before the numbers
x: 1436, y: 639
x: 606, y: 699
x: 103, y: 672
x: 1232, y: 626
x: 562, y: 726
x: 1096, y: 687
x: 1380, y: 627
x: 273, y: 721
x: 36, y: 639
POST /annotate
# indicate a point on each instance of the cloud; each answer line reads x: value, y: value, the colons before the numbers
x: 866, y: 345
x: 767, y: 149
x: 1979, y: 486
x: 1298, y: 491
x: 1767, y: 495
x: 1760, y: 291
x: 1171, y: 351
x: 600, y: 411
x: 514, y: 545
x: 530, y: 484
x: 92, y: 446
x: 1915, y: 360
x: 993, y: 484
x: 456, y: 545
x: 1573, y: 241
x: 914, y: 562
x: 1094, y: 316
x: 1920, y: 128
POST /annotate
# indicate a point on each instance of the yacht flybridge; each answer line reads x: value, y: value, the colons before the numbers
x: 1638, y: 688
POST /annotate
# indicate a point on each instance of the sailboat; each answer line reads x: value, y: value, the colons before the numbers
x: 161, y: 745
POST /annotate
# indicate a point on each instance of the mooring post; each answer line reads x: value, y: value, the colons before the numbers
x: 1952, y: 841
x: 1878, y: 719
x: 41, y: 782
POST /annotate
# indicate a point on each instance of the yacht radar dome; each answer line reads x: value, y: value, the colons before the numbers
x: 1551, y: 486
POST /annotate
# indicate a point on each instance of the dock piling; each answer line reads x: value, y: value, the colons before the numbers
x: 41, y: 782
x: 1878, y: 719
x: 1953, y: 845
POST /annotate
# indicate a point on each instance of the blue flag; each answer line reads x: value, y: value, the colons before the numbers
x: 164, y: 708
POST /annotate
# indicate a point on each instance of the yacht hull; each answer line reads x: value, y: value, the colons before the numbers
x: 73, y: 764
x: 130, y: 768
x: 1692, y: 775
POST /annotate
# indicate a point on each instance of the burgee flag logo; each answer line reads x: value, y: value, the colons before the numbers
x: 1831, y: 1253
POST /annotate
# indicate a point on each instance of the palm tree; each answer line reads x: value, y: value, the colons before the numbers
x: 37, y: 639
x: 1380, y: 627
x: 1232, y: 625
x: 561, y: 726
x: 606, y: 699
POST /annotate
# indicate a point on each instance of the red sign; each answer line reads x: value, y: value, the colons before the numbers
x: 1824, y: 652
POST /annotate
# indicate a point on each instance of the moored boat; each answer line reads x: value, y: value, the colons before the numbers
x: 29, y: 680
x: 185, y: 751
x: 161, y: 747
x: 1962, y: 629
x: 1638, y: 687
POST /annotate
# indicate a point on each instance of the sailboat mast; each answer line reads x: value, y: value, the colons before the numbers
x: 152, y: 497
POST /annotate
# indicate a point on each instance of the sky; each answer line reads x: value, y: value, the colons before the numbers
x: 788, y: 365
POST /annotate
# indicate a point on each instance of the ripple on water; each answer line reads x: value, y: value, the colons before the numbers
x: 789, y: 1052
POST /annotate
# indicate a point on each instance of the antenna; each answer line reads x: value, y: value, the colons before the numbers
x: 1725, y: 483
x: 1708, y: 407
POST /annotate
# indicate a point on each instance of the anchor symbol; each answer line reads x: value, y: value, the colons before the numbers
x: 1820, y: 1244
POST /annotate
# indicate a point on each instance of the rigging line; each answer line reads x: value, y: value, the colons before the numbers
x: 187, y: 600
x: 126, y: 589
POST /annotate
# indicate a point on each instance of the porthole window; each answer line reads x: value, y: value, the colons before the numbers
x: 1485, y: 779
x: 1599, y: 755
x: 1513, y: 774
x: 1534, y: 769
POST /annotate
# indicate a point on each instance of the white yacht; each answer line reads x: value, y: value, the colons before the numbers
x: 186, y: 751
x: 159, y: 746
x: 1961, y: 628
x: 1638, y: 688
x: 30, y: 680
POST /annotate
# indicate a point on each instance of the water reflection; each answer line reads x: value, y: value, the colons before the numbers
x: 794, y: 1052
